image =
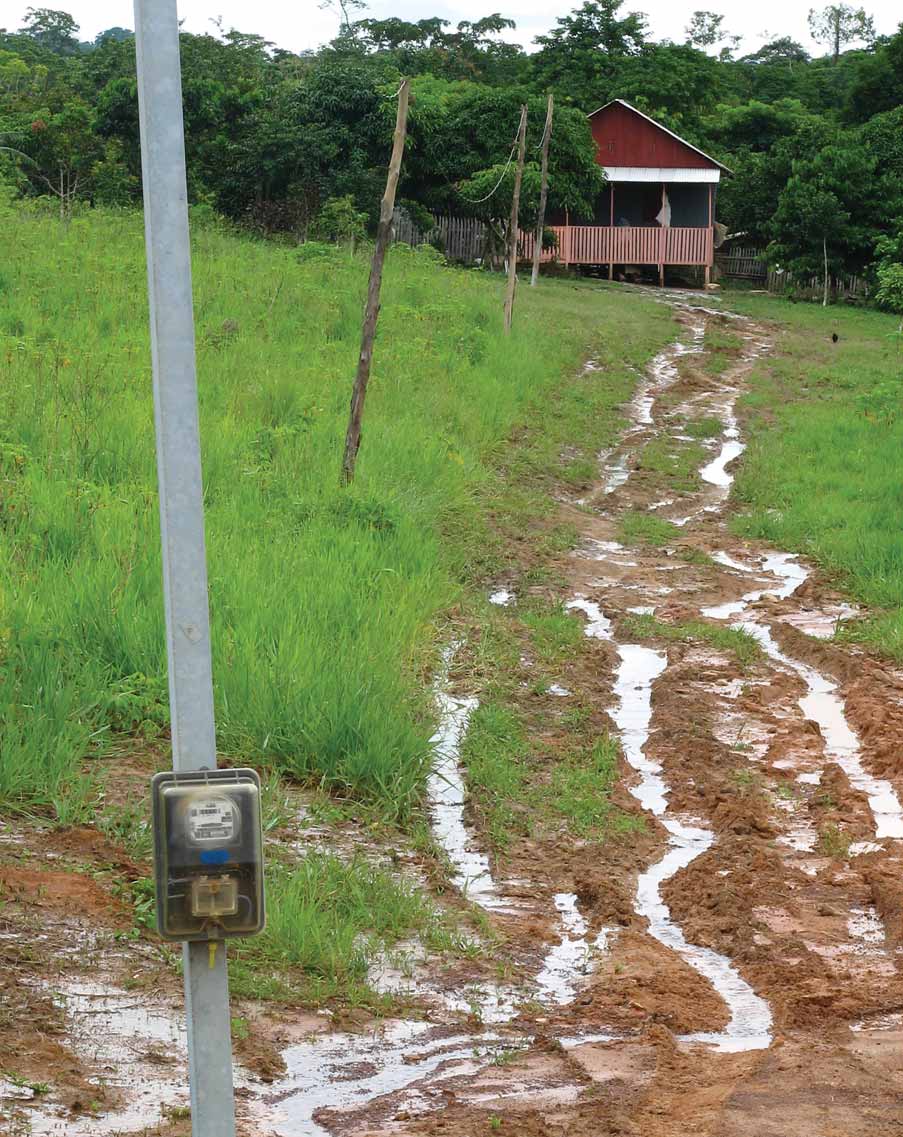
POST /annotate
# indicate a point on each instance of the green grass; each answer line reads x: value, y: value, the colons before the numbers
x: 677, y: 463
x: 703, y: 428
x: 821, y: 474
x: 520, y: 789
x: 581, y: 786
x: 741, y: 644
x: 323, y: 601
x: 721, y: 347
x: 326, y: 920
x: 555, y: 634
x: 636, y: 528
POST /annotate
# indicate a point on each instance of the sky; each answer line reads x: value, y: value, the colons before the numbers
x: 299, y: 24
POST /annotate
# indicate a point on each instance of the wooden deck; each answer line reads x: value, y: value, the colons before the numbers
x: 602, y: 245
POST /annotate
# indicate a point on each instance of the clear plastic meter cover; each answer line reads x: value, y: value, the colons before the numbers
x: 208, y: 854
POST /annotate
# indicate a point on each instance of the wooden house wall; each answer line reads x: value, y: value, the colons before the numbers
x: 625, y: 138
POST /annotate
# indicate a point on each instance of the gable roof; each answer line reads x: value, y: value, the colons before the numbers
x: 664, y: 129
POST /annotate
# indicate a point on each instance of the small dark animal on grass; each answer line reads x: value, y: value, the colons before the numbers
x: 835, y: 337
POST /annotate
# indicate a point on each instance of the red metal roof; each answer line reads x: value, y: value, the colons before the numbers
x: 627, y: 137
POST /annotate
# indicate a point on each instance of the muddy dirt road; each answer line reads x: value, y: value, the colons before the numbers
x: 733, y: 972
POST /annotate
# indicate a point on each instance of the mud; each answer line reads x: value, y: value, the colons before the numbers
x: 733, y: 970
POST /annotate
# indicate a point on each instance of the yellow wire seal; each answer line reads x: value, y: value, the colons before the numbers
x: 212, y: 945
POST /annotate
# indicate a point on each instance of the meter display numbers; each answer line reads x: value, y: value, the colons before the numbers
x: 212, y: 819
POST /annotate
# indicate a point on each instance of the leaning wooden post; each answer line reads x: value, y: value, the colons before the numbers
x: 543, y: 193
x: 371, y: 312
x: 512, y: 226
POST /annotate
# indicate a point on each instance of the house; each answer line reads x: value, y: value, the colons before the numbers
x: 658, y: 208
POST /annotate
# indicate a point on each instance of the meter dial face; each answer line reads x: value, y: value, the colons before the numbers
x: 212, y: 819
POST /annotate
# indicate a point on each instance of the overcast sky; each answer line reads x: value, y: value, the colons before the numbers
x: 299, y: 24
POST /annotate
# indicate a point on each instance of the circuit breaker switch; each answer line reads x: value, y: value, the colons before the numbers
x: 213, y: 897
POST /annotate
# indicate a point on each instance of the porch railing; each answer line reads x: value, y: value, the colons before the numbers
x: 625, y: 245
x: 465, y: 239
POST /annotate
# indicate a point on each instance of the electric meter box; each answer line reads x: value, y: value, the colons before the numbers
x: 208, y: 854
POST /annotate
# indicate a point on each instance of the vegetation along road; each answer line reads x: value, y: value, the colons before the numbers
x: 579, y: 710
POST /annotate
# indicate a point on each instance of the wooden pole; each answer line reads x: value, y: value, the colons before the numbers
x: 543, y: 192
x: 664, y: 238
x: 512, y: 224
x: 371, y: 312
x: 825, y: 248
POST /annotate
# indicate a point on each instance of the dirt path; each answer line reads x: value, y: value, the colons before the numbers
x: 733, y: 971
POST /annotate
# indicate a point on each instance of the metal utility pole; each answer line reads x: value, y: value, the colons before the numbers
x: 181, y: 515
x: 543, y: 192
x: 513, y: 223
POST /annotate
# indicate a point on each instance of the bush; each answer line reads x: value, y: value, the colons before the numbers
x: 340, y: 221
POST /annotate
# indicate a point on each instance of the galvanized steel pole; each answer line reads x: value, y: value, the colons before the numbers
x: 181, y: 514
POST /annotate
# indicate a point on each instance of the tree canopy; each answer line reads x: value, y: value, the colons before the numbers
x: 274, y: 136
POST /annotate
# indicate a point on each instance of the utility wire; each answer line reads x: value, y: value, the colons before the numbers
x: 480, y: 200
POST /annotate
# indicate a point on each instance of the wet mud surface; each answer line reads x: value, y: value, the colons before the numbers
x: 732, y: 970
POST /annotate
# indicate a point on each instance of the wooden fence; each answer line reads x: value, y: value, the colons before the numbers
x: 461, y: 238
x: 749, y: 264
x: 839, y: 288
x: 742, y: 264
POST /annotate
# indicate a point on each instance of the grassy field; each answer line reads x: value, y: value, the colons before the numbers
x: 821, y: 475
x: 324, y: 602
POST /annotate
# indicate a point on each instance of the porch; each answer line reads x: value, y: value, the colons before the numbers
x: 627, y: 245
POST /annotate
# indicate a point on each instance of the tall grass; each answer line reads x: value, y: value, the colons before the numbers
x: 322, y: 600
x: 822, y: 472
x: 327, y: 918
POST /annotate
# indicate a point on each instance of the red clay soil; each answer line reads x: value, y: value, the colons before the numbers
x: 813, y: 925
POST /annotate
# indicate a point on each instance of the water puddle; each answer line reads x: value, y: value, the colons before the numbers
x: 821, y: 704
x: 715, y: 473
x: 598, y: 626
x: 344, y: 1073
x: 130, y: 1045
x: 447, y: 794
x: 750, y: 1022
x: 661, y: 373
x: 784, y: 566
x: 570, y: 961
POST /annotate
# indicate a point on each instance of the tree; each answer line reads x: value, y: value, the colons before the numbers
x: 344, y: 8
x: 840, y: 24
x: 52, y: 29
x: 831, y: 207
x: 889, y: 272
x: 781, y: 51
x: 706, y: 29
x: 878, y: 82
x: 461, y: 136
x: 62, y: 147
x: 117, y: 35
x: 581, y: 54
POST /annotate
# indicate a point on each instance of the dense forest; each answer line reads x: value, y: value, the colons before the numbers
x: 297, y: 143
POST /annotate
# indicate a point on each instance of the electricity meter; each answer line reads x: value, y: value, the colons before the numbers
x: 208, y: 854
